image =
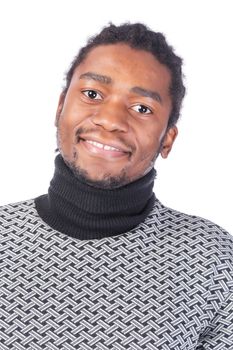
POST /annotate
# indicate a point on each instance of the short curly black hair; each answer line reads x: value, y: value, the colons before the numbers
x: 140, y: 37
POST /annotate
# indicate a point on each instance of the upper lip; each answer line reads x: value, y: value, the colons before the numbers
x: 114, y: 144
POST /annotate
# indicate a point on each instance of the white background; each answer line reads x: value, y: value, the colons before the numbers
x: 38, y: 40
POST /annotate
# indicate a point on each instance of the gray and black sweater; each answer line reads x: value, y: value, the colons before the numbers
x: 84, y: 268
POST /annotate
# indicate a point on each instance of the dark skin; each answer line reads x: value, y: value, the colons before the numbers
x: 112, y: 122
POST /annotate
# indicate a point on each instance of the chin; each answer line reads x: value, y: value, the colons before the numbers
x: 105, y: 180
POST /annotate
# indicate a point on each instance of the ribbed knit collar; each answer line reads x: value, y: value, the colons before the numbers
x: 82, y: 211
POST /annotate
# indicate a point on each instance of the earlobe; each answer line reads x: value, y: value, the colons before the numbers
x: 168, y: 141
x: 59, y: 108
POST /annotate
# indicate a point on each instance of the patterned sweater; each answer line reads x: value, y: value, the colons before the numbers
x: 166, y: 284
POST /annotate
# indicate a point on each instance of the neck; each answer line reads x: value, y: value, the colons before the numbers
x: 82, y: 211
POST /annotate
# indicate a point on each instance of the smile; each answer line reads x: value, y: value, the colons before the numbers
x: 102, y: 146
x: 102, y: 150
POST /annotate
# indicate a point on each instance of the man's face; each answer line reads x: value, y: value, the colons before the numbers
x: 114, y: 116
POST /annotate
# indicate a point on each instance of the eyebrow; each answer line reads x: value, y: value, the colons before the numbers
x: 147, y: 93
x: 97, y: 77
x: 136, y: 89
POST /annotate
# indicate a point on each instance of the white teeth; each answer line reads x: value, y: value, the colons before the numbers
x: 100, y: 145
x: 96, y: 144
x: 109, y: 148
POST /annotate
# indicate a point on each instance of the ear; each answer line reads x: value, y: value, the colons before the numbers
x: 168, y: 141
x: 59, y: 108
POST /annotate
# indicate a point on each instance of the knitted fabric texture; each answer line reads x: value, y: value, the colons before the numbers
x: 82, y: 211
x: 167, y: 284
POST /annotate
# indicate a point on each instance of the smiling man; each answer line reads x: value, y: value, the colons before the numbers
x: 114, y: 116
x: 99, y: 262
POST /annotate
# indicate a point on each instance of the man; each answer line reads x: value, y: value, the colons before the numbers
x: 99, y: 262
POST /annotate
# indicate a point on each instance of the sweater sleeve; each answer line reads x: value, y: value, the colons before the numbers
x: 219, y: 335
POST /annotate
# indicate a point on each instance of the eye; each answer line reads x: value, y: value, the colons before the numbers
x: 142, y: 109
x: 92, y: 94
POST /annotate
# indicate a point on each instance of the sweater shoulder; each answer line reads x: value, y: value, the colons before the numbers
x: 15, y: 212
x: 197, y: 236
x: 178, y: 221
x: 17, y: 206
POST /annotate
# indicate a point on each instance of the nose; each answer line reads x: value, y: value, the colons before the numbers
x: 111, y: 117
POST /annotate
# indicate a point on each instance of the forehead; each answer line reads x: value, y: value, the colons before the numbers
x: 126, y: 64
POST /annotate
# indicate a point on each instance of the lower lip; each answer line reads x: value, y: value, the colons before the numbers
x: 101, y: 152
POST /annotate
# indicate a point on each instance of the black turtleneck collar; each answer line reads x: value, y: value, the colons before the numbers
x: 82, y: 211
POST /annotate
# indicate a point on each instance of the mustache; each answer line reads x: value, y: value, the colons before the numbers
x: 89, y: 131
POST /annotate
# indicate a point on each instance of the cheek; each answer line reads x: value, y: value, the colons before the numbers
x: 150, y: 144
x: 65, y: 133
x: 73, y: 112
x: 69, y: 121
